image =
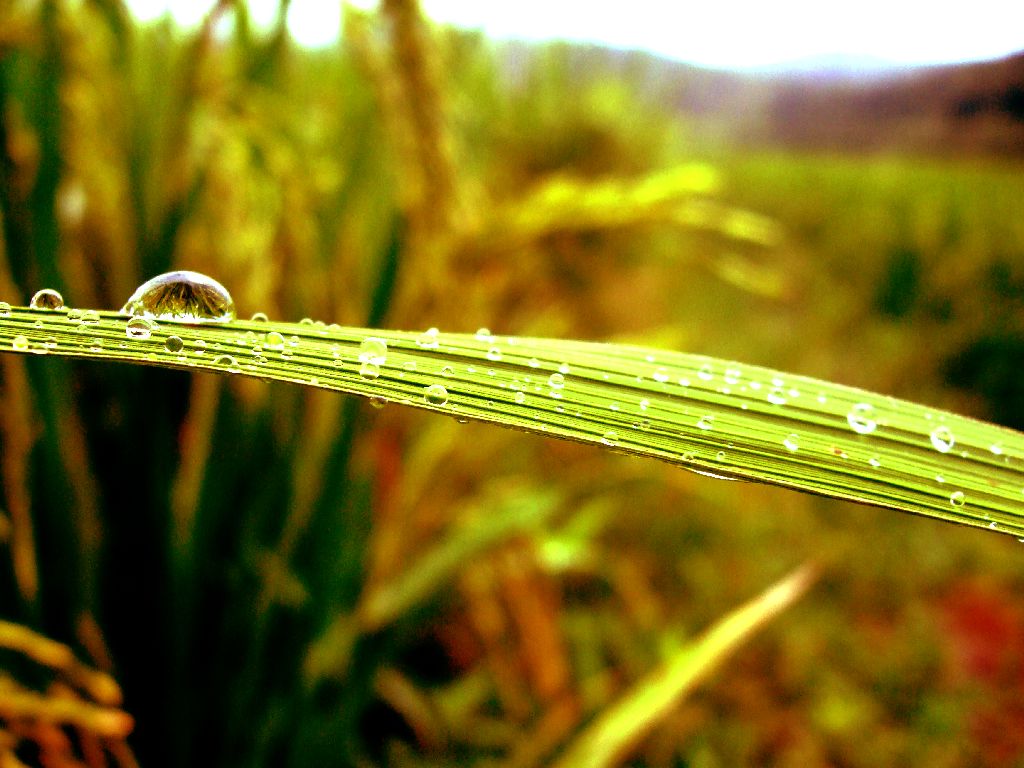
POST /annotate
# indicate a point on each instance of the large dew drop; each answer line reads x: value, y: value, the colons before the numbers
x: 188, y: 297
x: 47, y: 298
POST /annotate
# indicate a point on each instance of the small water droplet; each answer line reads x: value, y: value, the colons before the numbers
x: 860, y: 418
x: 5, y: 309
x: 306, y: 321
x: 792, y: 443
x: 996, y: 449
x: 274, y: 341
x: 47, y: 298
x: 705, y: 422
x: 378, y: 401
x: 520, y: 397
x: 19, y: 343
x: 732, y: 375
x: 373, y: 350
x: 199, y: 346
x: 428, y: 339
x: 705, y: 373
x: 533, y: 362
x: 610, y: 437
x: 484, y: 334
x: 660, y: 375
x: 494, y: 354
x: 720, y: 456
x: 956, y: 498
x: 90, y: 317
x: 182, y: 296
x: 369, y: 370
x: 436, y: 394
x: 226, y: 360
x: 447, y: 371
x: 556, y: 381
x: 139, y: 328
x: 260, y: 317
x: 174, y: 344
x: 942, y: 439
x: 874, y: 462
x: 777, y: 396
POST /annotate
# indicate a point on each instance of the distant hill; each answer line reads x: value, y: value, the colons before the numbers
x: 972, y: 108
x: 836, y: 104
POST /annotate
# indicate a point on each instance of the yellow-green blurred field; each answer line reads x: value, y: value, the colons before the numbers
x: 275, y: 576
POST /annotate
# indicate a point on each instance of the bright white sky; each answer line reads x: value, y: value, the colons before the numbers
x: 716, y: 33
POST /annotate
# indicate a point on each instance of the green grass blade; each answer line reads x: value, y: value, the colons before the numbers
x: 607, y: 740
x: 726, y: 419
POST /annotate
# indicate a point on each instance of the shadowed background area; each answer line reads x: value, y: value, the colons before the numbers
x: 226, y: 572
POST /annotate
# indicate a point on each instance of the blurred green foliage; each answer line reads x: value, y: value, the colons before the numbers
x: 283, y: 577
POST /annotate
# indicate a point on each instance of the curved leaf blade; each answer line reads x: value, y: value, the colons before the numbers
x: 712, y: 416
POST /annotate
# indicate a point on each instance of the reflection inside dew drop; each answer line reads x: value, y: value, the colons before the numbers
x: 957, y: 498
x: 174, y: 344
x: 181, y: 296
x: 556, y: 381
